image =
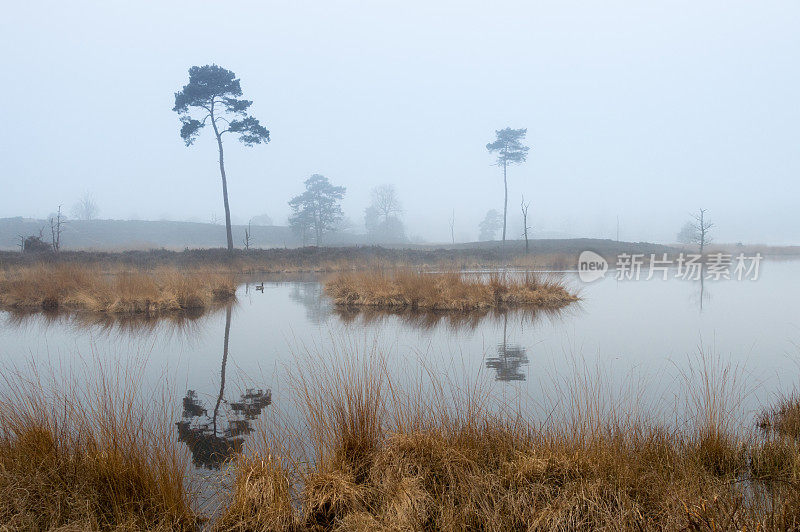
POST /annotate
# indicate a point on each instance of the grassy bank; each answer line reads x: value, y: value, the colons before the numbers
x: 369, y: 452
x: 67, y: 286
x: 99, y: 456
x: 382, y: 457
x: 450, y: 291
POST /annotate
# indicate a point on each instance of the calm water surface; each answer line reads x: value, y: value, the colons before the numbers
x: 234, y: 361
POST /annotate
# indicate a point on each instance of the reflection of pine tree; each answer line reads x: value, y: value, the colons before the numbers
x: 510, y: 359
x: 199, y: 432
x: 310, y: 295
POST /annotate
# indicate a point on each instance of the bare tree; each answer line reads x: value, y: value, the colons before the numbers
x: 702, y: 226
x: 386, y: 202
x: 382, y: 217
x: 86, y: 208
x: 525, y: 227
x: 247, y: 237
x: 56, y: 224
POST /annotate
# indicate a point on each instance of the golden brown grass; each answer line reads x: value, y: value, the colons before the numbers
x: 97, y: 456
x: 371, y: 452
x: 783, y: 419
x: 451, y: 291
x: 385, y: 459
x: 82, y: 287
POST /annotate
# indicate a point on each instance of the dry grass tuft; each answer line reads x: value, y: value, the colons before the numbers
x: 784, y: 419
x: 385, y: 459
x: 263, y: 497
x: 452, y: 291
x: 81, y: 287
x: 90, y: 457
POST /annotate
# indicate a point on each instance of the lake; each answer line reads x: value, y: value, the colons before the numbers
x: 641, y: 338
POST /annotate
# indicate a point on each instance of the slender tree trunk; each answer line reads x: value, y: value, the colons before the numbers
x: 224, y: 363
x: 525, y: 222
x: 224, y: 180
x: 505, y: 201
x: 526, y: 234
x: 225, y: 194
x: 702, y: 232
x: 317, y: 225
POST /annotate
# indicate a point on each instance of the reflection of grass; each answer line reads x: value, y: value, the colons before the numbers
x: 418, y: 319
x: 81, y: 287
x: 429, y: 319
x: 387, y: 458
x: 97, y: 456
x: 412, y: 289
x: 186, y: 324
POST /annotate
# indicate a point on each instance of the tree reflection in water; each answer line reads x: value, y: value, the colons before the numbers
x: 510, y: 357
x: 312, y: 296
x: 509, y: 360
x: 211, y: 446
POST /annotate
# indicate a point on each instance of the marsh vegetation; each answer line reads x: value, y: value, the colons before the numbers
x: 371, y: 450
x: 124, y: 291
x: 449, y: 291
x: 394, y: 434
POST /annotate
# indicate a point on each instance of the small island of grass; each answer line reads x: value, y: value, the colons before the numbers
x: 451, y: 291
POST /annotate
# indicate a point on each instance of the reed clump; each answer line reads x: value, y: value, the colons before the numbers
x: 783, y: 419
x: 451, y: 291
x: 382, y: 459
x: 84, y: 287
x: 92, y: 457
x: 263, y: 498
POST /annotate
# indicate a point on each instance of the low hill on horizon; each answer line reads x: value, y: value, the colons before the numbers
x: 143, y: 235
x: 121, y: 235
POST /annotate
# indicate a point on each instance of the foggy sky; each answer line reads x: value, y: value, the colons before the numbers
x: 642, y: 110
